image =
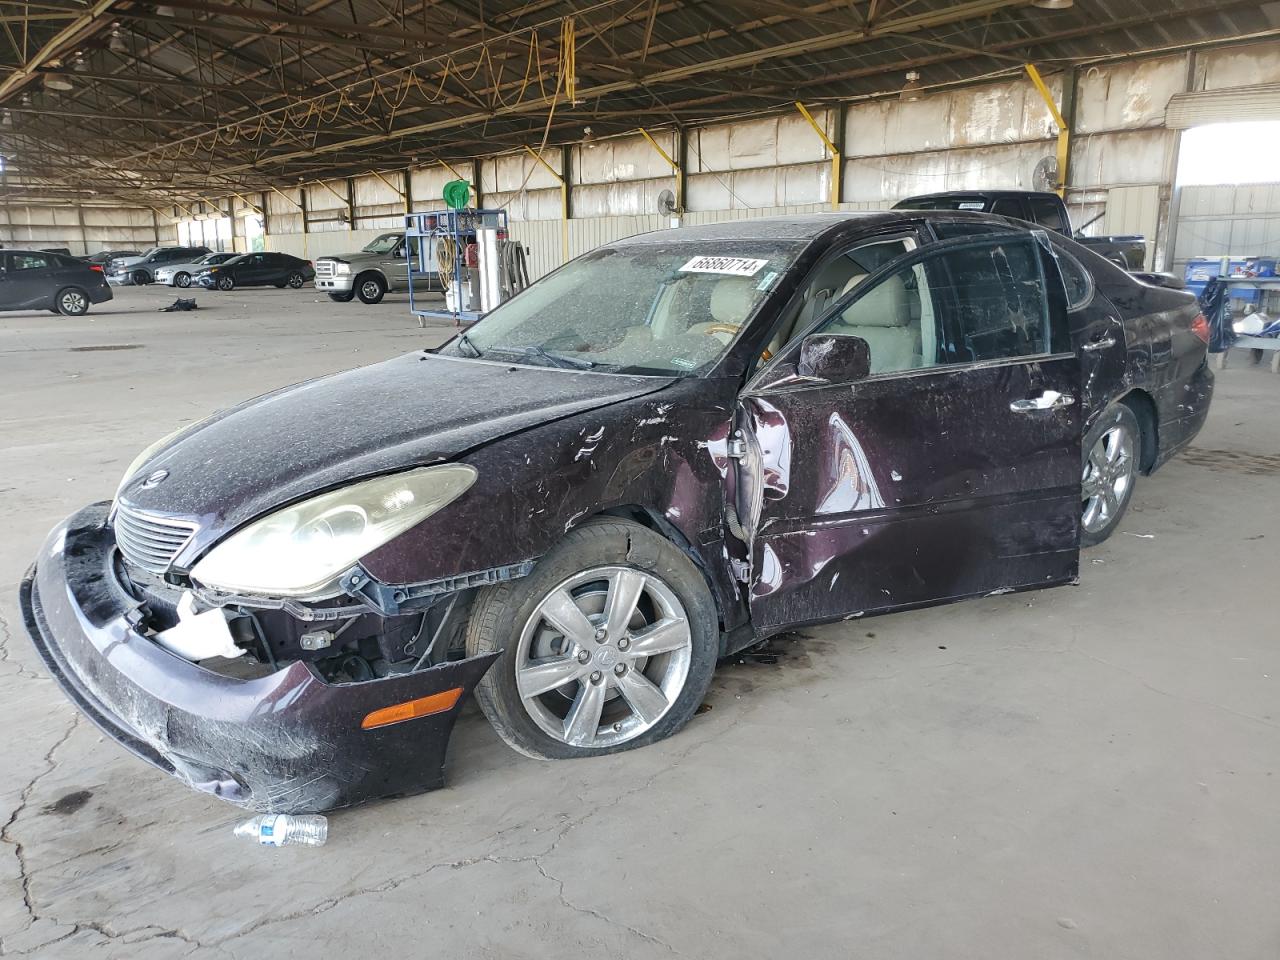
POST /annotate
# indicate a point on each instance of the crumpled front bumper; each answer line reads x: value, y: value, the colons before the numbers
x: 287, y: 742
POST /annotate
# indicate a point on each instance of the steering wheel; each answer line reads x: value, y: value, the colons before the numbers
x: 712, y: 329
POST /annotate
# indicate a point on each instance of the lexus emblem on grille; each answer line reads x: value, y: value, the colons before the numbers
x: 155, y: 479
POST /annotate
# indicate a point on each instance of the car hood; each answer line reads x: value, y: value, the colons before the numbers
x: 358, y: 255
x: 409, y: 411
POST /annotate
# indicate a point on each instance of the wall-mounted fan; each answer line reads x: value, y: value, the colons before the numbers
x: 1045, y: 175
x: 667, y: 204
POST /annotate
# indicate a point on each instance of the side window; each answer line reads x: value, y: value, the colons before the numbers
x: 832, y: 279
x: 1075, y: 278
x: 981, y: 301
x: 28, y: 261
x: 997, y: 297
x: 897, y: 319
x: 1049, y: 213
x: 1009, y: 207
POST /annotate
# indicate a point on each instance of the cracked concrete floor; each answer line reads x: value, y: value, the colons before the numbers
x: 1086, y: 771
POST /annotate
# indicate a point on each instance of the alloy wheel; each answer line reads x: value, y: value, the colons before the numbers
x: 225, y: 283
x: 182, y: 280
x: 603, y: 657
x: 371, y: 289
x: 1108, y: 477
x: 296, y: 280
x: 73, y: 303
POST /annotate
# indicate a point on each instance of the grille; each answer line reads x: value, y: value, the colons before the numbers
x: 149, y: 541
x: 325, y: 268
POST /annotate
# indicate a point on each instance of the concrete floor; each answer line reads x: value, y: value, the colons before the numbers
x: 1083, y: 772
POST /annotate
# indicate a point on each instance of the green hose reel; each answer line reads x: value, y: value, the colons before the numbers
x: 457, y: 194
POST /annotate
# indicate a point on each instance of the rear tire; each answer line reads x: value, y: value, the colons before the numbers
x: 296, y: 280
x: 1110, y: 455
x: 182, y: 280
x: 343, y: 296
x: 623, y: 676
x: 370, y: 288
x: 72, y: 302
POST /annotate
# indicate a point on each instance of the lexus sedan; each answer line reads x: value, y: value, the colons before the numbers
x: 256, y: 270
x: 36, y: 280
x: 180, y: 274
x: 668, y: 450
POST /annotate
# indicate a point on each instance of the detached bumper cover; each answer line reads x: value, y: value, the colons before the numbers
x: 287, y: 742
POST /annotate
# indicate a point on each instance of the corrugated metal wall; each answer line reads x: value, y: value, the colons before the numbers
x: 82, y: 230
x: 1235, y: 220
x: 991, y: 135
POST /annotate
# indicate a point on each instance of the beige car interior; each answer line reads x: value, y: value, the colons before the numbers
x: 888, y: 318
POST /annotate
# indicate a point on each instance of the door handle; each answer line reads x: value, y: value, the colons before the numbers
x: 1102, y: 344
x: 1049, y: 400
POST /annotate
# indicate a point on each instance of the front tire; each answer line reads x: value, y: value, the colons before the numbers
x: 182, y: 280
x: 140, y: 278
x: 72, y: 302
x: 226, y: 282
x: 1109, y: 472
x: 609, y: 644
x: 370, y: 288
x: 343, y: 296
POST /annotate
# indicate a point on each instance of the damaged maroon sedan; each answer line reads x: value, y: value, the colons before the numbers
x: 660, y: 454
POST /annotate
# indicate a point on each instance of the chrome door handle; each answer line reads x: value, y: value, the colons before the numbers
x: 1099, y: 344
x: 1049, y: 400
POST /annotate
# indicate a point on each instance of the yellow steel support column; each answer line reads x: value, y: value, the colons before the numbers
x: 674, y: 166
x: 835, y: 155
x: 1064, y: 134
x: 564, y: 203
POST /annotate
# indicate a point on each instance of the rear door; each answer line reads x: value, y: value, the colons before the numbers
x: 952, y: 470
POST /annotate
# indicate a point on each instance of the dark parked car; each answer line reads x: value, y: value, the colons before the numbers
x: 105, y: 258
x: 660, y: 454
x: 35, y: 280
x: 141, y: 270
x: 256, y: 270
x: 1046, y: 209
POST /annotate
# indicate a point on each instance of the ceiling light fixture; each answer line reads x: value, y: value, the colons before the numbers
x: 54, y: 81
x: 163, y: 11
x: 117, y: 44
x: 1053, y: 4
x: 80, y: 63
x: 911, y: 90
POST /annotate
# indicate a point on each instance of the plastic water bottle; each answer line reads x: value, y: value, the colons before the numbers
x: 282, y: 829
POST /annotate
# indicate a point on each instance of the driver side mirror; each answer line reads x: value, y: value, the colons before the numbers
x: 836, y: 358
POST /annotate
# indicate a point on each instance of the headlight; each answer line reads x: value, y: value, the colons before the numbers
x: 147, y: 454
x: 301, y: 551
x: 342, y: 269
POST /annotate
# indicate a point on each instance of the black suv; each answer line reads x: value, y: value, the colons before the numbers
x: 141, y: 270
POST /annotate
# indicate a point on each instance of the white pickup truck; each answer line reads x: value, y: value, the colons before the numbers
x: 369, y: 273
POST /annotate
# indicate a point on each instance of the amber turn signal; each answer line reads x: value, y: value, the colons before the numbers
x: 412, y: 709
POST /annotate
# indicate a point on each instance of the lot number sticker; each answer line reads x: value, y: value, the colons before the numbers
x: 733, y: 266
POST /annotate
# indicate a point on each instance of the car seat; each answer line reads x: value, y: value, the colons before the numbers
x: 884, y: 319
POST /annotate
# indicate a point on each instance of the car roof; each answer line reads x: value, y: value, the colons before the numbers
x: 803, y: 226
x: 983, y: 193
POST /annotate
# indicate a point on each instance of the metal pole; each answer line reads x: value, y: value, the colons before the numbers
x: 832, y: 148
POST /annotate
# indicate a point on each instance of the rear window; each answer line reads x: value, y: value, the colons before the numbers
x: 1048, y: 213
